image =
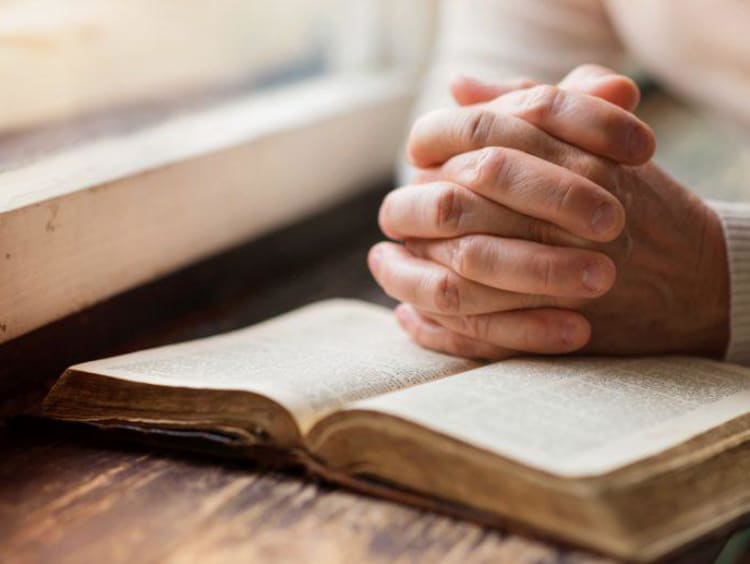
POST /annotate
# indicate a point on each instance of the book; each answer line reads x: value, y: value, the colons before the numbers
x: 634, y: 457
x: 176, y: 190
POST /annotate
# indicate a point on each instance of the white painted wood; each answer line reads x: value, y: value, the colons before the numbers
x: 89, y: 222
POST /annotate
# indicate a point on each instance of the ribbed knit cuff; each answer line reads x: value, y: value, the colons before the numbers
x: 735, y: 218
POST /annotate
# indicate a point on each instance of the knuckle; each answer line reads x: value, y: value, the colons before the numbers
x: 448, y: 210
x: 542, y: 101
x: 490, y: 166
x: 478, y: 326
x: 563, y: 193
x: 466, y: 255
x: 478, y: 129
x: 447, y: 294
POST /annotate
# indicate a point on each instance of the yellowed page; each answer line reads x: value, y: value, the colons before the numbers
x: 577, y: 417
x: 311, y: 361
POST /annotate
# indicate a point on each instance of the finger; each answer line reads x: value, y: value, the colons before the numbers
x: 594, y: 80
x: 540, y: 189
x: 602, y: 82
x: 442, y: 210
x: 467, y: 90
x: 432, y: 336
x: 521, y: 266
x: 530, y: 120
x: 542, y: 331
x: 441, y: 134
x: 433, y: 287
x: 587, y: 122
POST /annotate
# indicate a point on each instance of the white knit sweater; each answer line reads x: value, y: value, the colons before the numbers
x: 697, y: 48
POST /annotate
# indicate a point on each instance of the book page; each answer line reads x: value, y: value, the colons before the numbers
x: 311, y: 361
x: 577, y: 417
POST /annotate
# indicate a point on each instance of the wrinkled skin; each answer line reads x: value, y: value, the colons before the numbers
x: 538, y: 223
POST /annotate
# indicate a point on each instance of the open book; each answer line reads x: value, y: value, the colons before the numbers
x: 634, y: 457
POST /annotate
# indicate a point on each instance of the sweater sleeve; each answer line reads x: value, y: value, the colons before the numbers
x: 735, y: 218
x: 502, y: 39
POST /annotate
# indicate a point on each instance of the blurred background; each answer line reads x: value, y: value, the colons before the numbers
x: 77, y: 72
x: 72, y: 62
x: 65, y: 59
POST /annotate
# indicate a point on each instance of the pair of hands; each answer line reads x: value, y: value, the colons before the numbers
x: 537, y: 223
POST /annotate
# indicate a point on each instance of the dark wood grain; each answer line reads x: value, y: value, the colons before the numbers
x: 66, y: 499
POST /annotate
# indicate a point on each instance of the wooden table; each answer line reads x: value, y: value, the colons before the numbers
x: 68, y: 496
x: 64, y: 499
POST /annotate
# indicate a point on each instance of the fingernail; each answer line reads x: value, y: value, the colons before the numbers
x: 639, y: 143
x: 603, y: 219
x: 595, y: 278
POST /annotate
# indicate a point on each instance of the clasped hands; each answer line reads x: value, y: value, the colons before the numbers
x: 537, y: 223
